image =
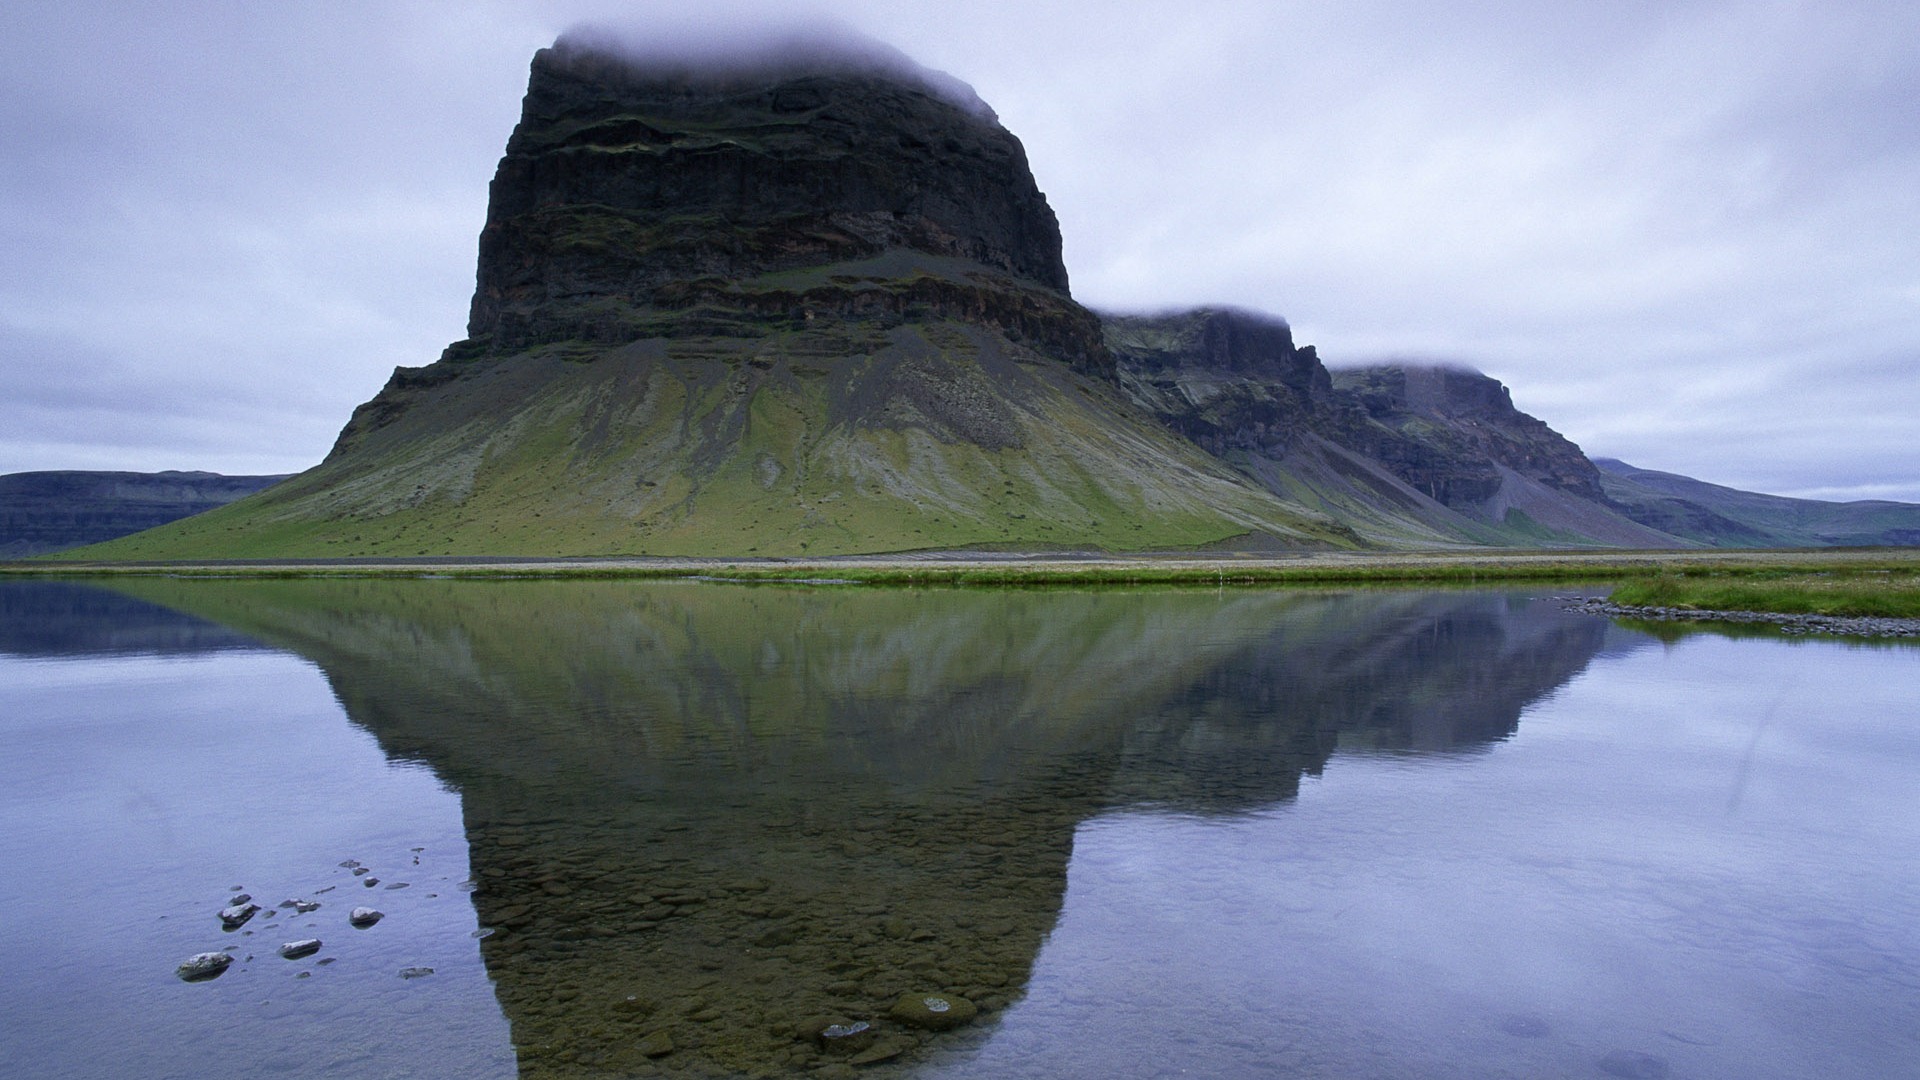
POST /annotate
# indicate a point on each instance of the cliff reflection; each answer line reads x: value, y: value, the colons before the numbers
x: 708, y: 821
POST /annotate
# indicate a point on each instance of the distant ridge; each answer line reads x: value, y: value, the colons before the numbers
x: 1727, y: 517
x: 43, y: 512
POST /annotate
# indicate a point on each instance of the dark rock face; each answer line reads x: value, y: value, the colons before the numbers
x: 1235, y: 381
x: 1227, y: 380
x: 637, y: 183
x: 1458, y: 429
x: 52, y: 511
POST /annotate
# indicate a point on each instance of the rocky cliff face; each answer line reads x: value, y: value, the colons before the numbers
x: 1459, y: 430
x: 637, y: 185
x: 1409, y: 453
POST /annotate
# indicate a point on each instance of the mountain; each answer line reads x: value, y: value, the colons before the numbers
x: 1726, y: 517
x: 52, y: 511
x: 803, y: 298
x: 1406, y: 454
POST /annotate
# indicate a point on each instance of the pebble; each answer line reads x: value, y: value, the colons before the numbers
x: 294, y: 950
x: 203, y: 966
x: 236, y: 916
x: 362, y: 917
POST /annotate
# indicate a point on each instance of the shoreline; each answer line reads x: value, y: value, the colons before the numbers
x: 1864, y: 626
x: 964, y: 568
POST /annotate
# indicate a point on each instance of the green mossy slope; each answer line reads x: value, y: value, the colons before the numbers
x: 850, y: 438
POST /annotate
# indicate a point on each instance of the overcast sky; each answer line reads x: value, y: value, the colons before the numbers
x: 1684, y: 234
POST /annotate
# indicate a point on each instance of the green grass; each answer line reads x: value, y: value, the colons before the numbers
x: 1885, y: 593
x: 1882, y: 571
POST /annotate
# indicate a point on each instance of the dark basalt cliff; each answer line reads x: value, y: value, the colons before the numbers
x: 1422, y: 453
x: 1458, y: 429
x: 638, y: 185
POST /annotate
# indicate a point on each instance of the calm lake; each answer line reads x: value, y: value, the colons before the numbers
x: 709, y: 830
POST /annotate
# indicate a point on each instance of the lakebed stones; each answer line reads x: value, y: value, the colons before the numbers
x: 933, y: 1012
x: 301, y: 907
x: 294, y: 950
x: 203, y: 966
x: 362, y: 917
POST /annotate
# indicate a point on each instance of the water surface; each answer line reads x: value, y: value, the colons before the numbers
x: 1339, y: 834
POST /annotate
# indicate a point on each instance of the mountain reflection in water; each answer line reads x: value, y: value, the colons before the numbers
x: 726, y: 816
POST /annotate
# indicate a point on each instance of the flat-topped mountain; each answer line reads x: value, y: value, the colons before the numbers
x: 800, y: 299
x: 804, y: 297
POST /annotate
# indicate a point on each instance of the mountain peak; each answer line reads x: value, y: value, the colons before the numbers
x: 647, y: 173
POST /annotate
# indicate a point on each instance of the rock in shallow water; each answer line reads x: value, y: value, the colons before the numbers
x: 294, y: 950
x: 236, y: 916
x: 846, y: 1038
x: 655, y: 1044
x: 203, y: 966
x: 362, y: 917
x: 934, y: 1012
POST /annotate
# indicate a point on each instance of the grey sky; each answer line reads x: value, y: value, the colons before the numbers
x: 1684, y: 234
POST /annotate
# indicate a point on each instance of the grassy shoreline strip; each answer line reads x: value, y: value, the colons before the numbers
x: 1676, y: 578
x: 1888, y: 594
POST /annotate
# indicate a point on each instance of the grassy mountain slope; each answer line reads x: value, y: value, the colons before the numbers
x: 851, y: 438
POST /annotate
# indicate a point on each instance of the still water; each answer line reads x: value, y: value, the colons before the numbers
x: 677, y: 829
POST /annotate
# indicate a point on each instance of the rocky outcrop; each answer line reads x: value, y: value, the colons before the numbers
x: 1408, y: 453
x: 640, y: 185
x: 1458, y: 431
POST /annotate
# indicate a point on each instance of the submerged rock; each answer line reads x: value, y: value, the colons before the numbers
x: 933, y: 1012
x: 846, y: 1038
x: 362, y: 917
x: 655, y: 1044
x: 203, y: 966
x: 415, y: 972
x: 294, y: 950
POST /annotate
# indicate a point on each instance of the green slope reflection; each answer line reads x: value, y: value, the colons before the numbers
x: 708, y: 820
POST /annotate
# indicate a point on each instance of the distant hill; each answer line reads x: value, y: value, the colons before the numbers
x: 42, y: 512
x: 1726, y: 517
